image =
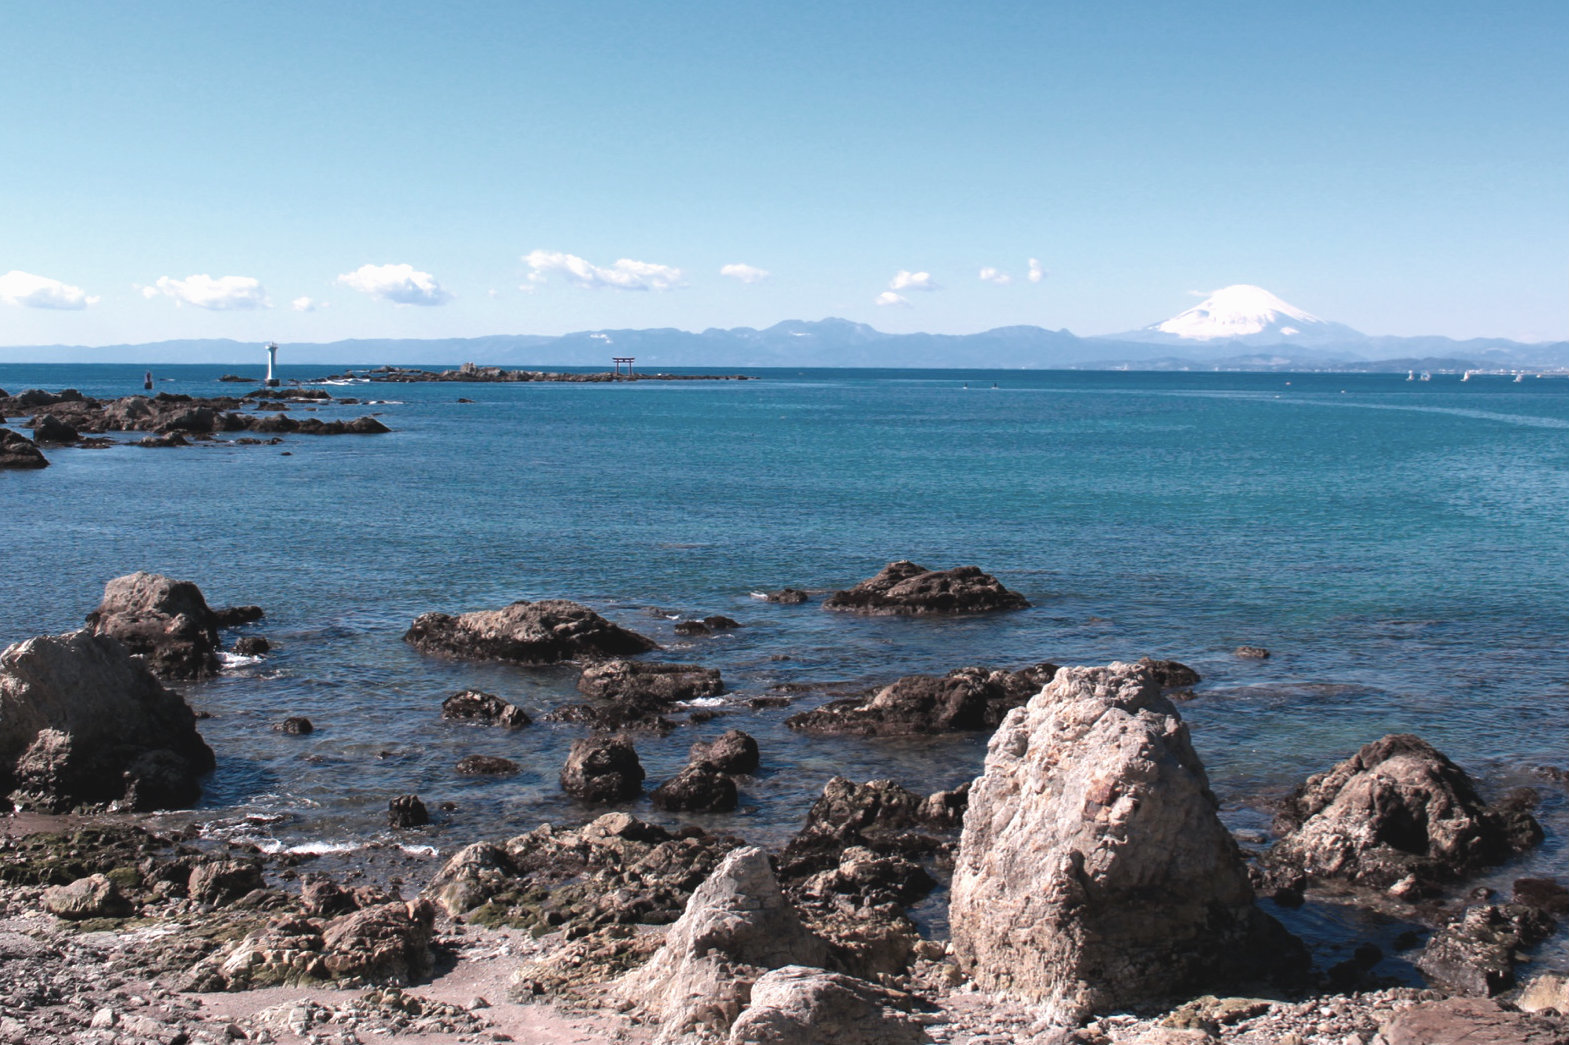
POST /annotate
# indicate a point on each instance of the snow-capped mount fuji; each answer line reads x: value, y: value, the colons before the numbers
x: 1248, y: 315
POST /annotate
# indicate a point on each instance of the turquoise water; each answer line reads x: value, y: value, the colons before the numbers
x: 1400, y: 547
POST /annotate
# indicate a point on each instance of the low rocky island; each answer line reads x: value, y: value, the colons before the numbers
x: 469, y: 373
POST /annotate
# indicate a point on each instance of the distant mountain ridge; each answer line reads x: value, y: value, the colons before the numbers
x: 842, y: 343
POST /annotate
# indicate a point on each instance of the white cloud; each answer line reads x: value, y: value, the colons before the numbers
x: 1036, y: 272
x: 30, y: 291
x: 399, y: 284
x: 224, y: 294
x: 625, y: 274
x: 905, y: 280
x: 307, y: 304
x: 888, y: 297
x: 745, y: 273
x: 997, y: 276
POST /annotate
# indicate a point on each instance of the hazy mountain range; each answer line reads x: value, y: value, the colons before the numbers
x: 1238, y: 328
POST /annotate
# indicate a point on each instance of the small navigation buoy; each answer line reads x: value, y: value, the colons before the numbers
x: 147, y: 382
x: 272, y: 359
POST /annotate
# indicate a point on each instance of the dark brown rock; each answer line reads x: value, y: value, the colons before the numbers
x: 699, y: 788
x: 388, y: 944
x: 47, y: 428
x: 787, y: 596
x: 295, y: 725
x: 964, y: 699
x: 602, y: 769
x: 234, y: 616
x: 1252, y: 652
x: 1397, y: 809
x: 731, y: 752
x: 407, y: 811
x: 251, y: 646
x: 545, y: 632
x: 903, y: 588
x: 19, y: 452
x: 647, y: 684
x: 471, y: 705
x: 486, y: 765
x: 221, y: 882
x: 1170, y: 674
x: 1475, y: 953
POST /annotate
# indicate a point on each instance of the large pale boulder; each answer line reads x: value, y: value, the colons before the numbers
x: 82, y: 722
x: 1093, y: 871
x: 545, y: 632
x: 737, y: 926
x: 167, y: 621
x: 797, y: 1005
x: 1397, y: 811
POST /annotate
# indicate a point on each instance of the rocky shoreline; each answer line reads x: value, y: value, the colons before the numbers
x: 470, y: 374
x: 1094, y: 895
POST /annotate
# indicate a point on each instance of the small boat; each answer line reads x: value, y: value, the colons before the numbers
x: 1410, y: 375
x: 1519, y: 377
x: 1425, y: 376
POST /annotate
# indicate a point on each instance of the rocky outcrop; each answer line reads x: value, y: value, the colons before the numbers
x: 1396, y: 815
x: 473, y: 706
x: 486, y: 765
x: 736, y: 927
x: 1470, y: 1021
x: 385, y: 944
x: 706, y: 625
x: 92, y: 897
x: 19, y: 452
x: 545, y: 632
x: 83, y: 723
x: 965, y: 699
x: 903, y: 588
x: 797, y: 1005
x: 407, y: 811
x: 786, y: 596
x: 171, y: 414
x: 221, y: 882
x: 1093, y: 870
x: 166, y: 621
x: 649, y: 685
x: 731, y: 752
x: 602, y: 769
x: 698, y: 788
x: 1475, y: 954
x: 48, y: 428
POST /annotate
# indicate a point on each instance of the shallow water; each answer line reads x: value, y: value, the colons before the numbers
x: 1400, y: 547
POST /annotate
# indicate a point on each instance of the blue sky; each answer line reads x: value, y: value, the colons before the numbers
x: 457, y: 169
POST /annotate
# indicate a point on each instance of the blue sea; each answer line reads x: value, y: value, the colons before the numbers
x: 1402, y: 549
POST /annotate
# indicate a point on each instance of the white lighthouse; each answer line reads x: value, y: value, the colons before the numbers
x: 272, y: 360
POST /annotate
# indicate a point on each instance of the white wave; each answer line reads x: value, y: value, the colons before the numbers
x: 419, y: 850
x: 237, y: 660
x: 760, y: 595
x: 703, y: 702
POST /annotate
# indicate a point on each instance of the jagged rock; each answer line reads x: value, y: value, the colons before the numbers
x: 321, y: 897
x: 48, y: 428
x: 649, y: 685
x: 221, y: 882
x: 166, y: 621
x: 471, y: 877
x: 295, y: 725
x: 797, y: 1005
x: 407, y: 811
x: 699, y: 788
x: 92, y: 897
x: 234, y: 616
x: 965, y: 699
x: 1252, y: 653
x: 1396, y: 810
x: 1471, y: 1021
x: 878, y: 814
x: 545, y: 632
x: 787, y: 596
x: 737, y: 926
x: 251, y: 646
x: 486, y: 765
x: 602, y: 769
x: 731, y: 752
x: 903, y: 588
x: 1171, y: 674
x: 83, y: 723
x: 18, y: 451
x: 1093, y: 870
x: 1475, y: 953
x: 707, y: 625
x: 473, y: 706
x: 386, y: 944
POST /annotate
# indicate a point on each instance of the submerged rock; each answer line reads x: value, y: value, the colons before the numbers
x: 787, y: 596
x: 1093, y: 870
x: 965, y: 699
x: 602, y: 769
x: 545, y: 632
x: 84, y: 723
x: 1397, y: 811
x: 903, y: 588
x: 471, y: 705
x: 486, y: 765
x: 736, y: 927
